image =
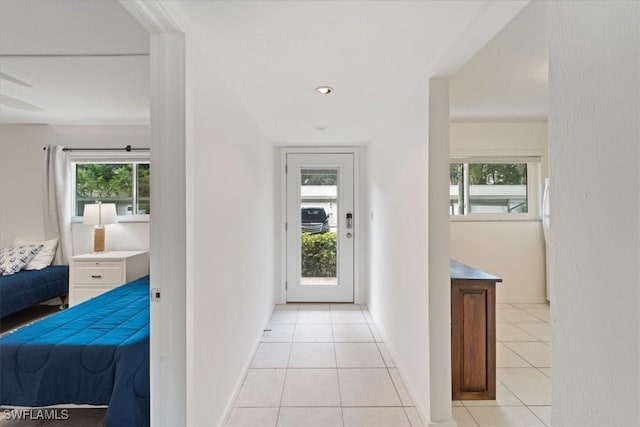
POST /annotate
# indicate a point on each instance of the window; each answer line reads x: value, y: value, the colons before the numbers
x: 502, y: 187
x: 124, y: 182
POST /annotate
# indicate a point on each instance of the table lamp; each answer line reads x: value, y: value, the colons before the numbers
x: 98, y: 215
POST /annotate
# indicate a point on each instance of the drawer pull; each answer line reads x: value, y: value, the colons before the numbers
x: 96, y: 276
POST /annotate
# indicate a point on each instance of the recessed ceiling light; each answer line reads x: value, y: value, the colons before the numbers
x: 324, y: 90
x: 321, y: 127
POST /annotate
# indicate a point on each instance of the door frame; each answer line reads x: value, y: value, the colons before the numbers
x: 169, y: 363
x: 358, y: 215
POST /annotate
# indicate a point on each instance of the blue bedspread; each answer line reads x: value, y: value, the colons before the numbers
x: 95, y: 353
x: 30, y: 287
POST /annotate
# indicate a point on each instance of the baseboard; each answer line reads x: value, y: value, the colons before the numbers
x: 245, y: 371
x: 451, y: 423
x: 531, y: 300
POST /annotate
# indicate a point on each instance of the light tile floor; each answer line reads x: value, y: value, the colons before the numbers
x: 326, y: 365
x: 323, y: 365
x: 523, y: 360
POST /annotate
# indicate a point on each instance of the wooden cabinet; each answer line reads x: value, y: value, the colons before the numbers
x: 93, y: 274
x: 473, y: 333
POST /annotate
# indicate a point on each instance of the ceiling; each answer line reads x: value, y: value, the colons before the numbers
x: 507, y: 80
x: 79, y: 63
x: 272, y: 55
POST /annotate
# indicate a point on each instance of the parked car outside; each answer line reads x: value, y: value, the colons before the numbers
x: 314, y: 220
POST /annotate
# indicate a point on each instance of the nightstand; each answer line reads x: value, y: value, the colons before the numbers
x: 93, y: 274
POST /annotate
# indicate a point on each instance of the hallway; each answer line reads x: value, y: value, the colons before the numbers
x: 322, y: 365
x: 326, y: 365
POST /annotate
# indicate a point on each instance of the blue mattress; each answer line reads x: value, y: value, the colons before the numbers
x: 95, y: 353
x: 30, y: 287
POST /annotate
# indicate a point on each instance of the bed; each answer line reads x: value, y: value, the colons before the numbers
x: 95, y: 353
x: 30, y: 287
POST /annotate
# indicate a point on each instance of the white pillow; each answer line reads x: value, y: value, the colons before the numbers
x: 44, y: 258
x: 14, y: 258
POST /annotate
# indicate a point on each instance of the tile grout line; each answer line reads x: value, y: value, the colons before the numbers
x: 538, y: 369
x: 536, y: 415
x: 404, y: 408
x: 517, y: 355
x: 335, y: 358
x: 395, y: 387
x: 528, y: 333
x: 471, y: 415
x: 235, y: 399
x: 286, y: 371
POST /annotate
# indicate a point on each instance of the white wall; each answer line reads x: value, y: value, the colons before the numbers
x: 594, y: 133
x: 513, y: 250
x: 21, y: 177
x: 398, y: 241
x: 439, y: 260
x: 169, y: 229
x: 364, y: 216
x: 230, y: 292
x: 133, y: 236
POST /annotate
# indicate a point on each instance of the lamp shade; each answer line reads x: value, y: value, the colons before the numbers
x: 100, y: 214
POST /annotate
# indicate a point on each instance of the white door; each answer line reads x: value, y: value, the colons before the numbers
x: 320, y: 227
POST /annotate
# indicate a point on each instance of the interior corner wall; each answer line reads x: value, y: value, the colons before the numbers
x: 362, y: 264
x: 398, y: 241
x: 21, y: 178
x: 513, y: 250
x: 231, y: 243
x: 594, y: 70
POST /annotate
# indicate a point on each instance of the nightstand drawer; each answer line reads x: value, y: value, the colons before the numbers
x: 92, y: 274
x: 99, y: 275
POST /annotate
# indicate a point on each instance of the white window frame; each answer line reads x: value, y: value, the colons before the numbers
x: 534, y: 193
x: 80, y: 157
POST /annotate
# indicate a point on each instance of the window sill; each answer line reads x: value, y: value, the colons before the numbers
x: 494, y: 218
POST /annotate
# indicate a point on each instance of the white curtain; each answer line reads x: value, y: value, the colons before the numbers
x: 57, y: 201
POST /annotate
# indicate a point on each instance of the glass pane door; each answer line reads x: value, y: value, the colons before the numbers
x: 320, y: 230
x: 318, y: 226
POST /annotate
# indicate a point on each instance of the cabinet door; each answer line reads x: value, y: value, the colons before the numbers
x: 473, y: 340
